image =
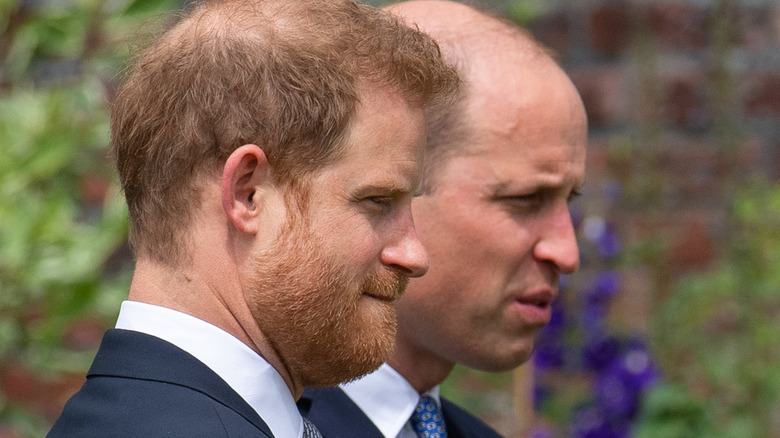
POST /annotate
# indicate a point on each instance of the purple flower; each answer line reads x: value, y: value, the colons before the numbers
x: 541, y: 432
x: 549, y: 350
x: 638, y: 361
x: 593, y: 320
x: 619, y: 387
x: 548, y: 355
x: 600, y: 352
x: 597, y: 298
x: 608, y: 243
x: 603, y: 289
x: 557, y: 318
x: 592, y: 422
x: 617, y: 393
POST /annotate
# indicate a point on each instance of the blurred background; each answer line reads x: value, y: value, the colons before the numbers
x: 670, y: 329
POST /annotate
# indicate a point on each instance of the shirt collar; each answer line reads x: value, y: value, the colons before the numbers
x: 248, y: 373
x: 386, y: 398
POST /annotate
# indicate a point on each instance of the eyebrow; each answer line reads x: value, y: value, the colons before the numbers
x: 390, y: 189
x: 504, y: 188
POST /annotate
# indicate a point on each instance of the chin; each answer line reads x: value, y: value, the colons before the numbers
x: 498, y: 363
x: 362, y: 360
x: 359, y: 349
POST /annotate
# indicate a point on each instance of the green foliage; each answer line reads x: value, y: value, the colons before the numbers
x: 54, y: 244
x: 716, y: 337
x: 524, y: 12
x: 477, y: 391
x: 62, y: 219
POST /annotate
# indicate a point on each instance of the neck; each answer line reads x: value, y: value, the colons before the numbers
x: 421, y: 368
x: 211, y: 294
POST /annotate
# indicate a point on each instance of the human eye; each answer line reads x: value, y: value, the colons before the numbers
x: 523, y: 202
x: 378, y: 204
x: 381, y: 200
x: 378, y: 200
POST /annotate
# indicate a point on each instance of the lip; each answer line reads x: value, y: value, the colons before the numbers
x: 385, y: 299
x: 535, y: 308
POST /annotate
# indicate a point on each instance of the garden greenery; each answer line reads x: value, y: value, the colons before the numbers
x: 717, y: 336
x: 63, y: 224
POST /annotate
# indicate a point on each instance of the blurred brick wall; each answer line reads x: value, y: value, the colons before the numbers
x: 683, y: 99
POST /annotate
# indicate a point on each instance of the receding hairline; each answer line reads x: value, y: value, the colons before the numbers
x: 474, y: 41
x: 466, y: 33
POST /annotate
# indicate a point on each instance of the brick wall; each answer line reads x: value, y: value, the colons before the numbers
x: 683, y: 99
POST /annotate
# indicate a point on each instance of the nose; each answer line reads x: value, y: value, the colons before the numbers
x: 558, y: 242
x: 406, y: 254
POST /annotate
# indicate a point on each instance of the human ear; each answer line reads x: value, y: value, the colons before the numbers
x: 245, y: 172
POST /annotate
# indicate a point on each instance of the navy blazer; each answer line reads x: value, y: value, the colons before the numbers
x: 142, y: 386
x: 337, y: 416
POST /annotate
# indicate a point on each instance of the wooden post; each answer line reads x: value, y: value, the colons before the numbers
x: 523, y: 400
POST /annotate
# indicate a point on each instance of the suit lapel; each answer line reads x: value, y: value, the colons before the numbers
x: 461, y: 424
x: 335, y: 414
x: 125, y: 353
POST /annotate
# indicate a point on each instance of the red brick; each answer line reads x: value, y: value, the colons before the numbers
x: 45, y: 396
x: 93, y: 189
x: 84, y: 334
x: 756, y: 30
x: 684, y: 103
x: 598, y: 157
x: 762, y: 96
x: 678, y: 25
x: 775, y: 164
x: 6, y: 431
x: 691, y: 170
x: 694, y: 247
x: 610, y: 28
x: 603, y: 93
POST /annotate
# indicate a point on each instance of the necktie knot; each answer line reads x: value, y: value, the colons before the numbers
x: 427, y: 420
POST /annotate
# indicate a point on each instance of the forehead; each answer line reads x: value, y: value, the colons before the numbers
x: 526, y: 123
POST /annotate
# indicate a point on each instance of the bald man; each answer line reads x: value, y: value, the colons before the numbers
x: 501, y: 166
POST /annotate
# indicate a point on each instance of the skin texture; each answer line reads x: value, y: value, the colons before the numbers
x: 358, y: 222
x: 496, y: 224
x: 324, y: 296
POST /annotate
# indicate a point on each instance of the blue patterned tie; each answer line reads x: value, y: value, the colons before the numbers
x: 309, y: 430
x: 427, y: 420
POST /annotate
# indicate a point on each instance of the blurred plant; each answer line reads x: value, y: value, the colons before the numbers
x: 62, y: 223
x: 716, y: 337
x: 590, y: 381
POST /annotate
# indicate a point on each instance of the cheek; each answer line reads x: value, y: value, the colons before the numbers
x: 355, y: 245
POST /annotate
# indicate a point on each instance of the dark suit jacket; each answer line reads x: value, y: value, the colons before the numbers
x: 142, y: 386
x: 337, y: 416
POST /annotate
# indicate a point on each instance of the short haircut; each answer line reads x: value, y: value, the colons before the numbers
x: 448, y: 132
x: 282, y: 74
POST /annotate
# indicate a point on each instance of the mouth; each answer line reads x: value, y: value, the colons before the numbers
x: 536, y: 302
x: 535, y: 308
x: 383, y: 298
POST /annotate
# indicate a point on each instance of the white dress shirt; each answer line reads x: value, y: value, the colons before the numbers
x: 388, y: 400
x: 251, y: 376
